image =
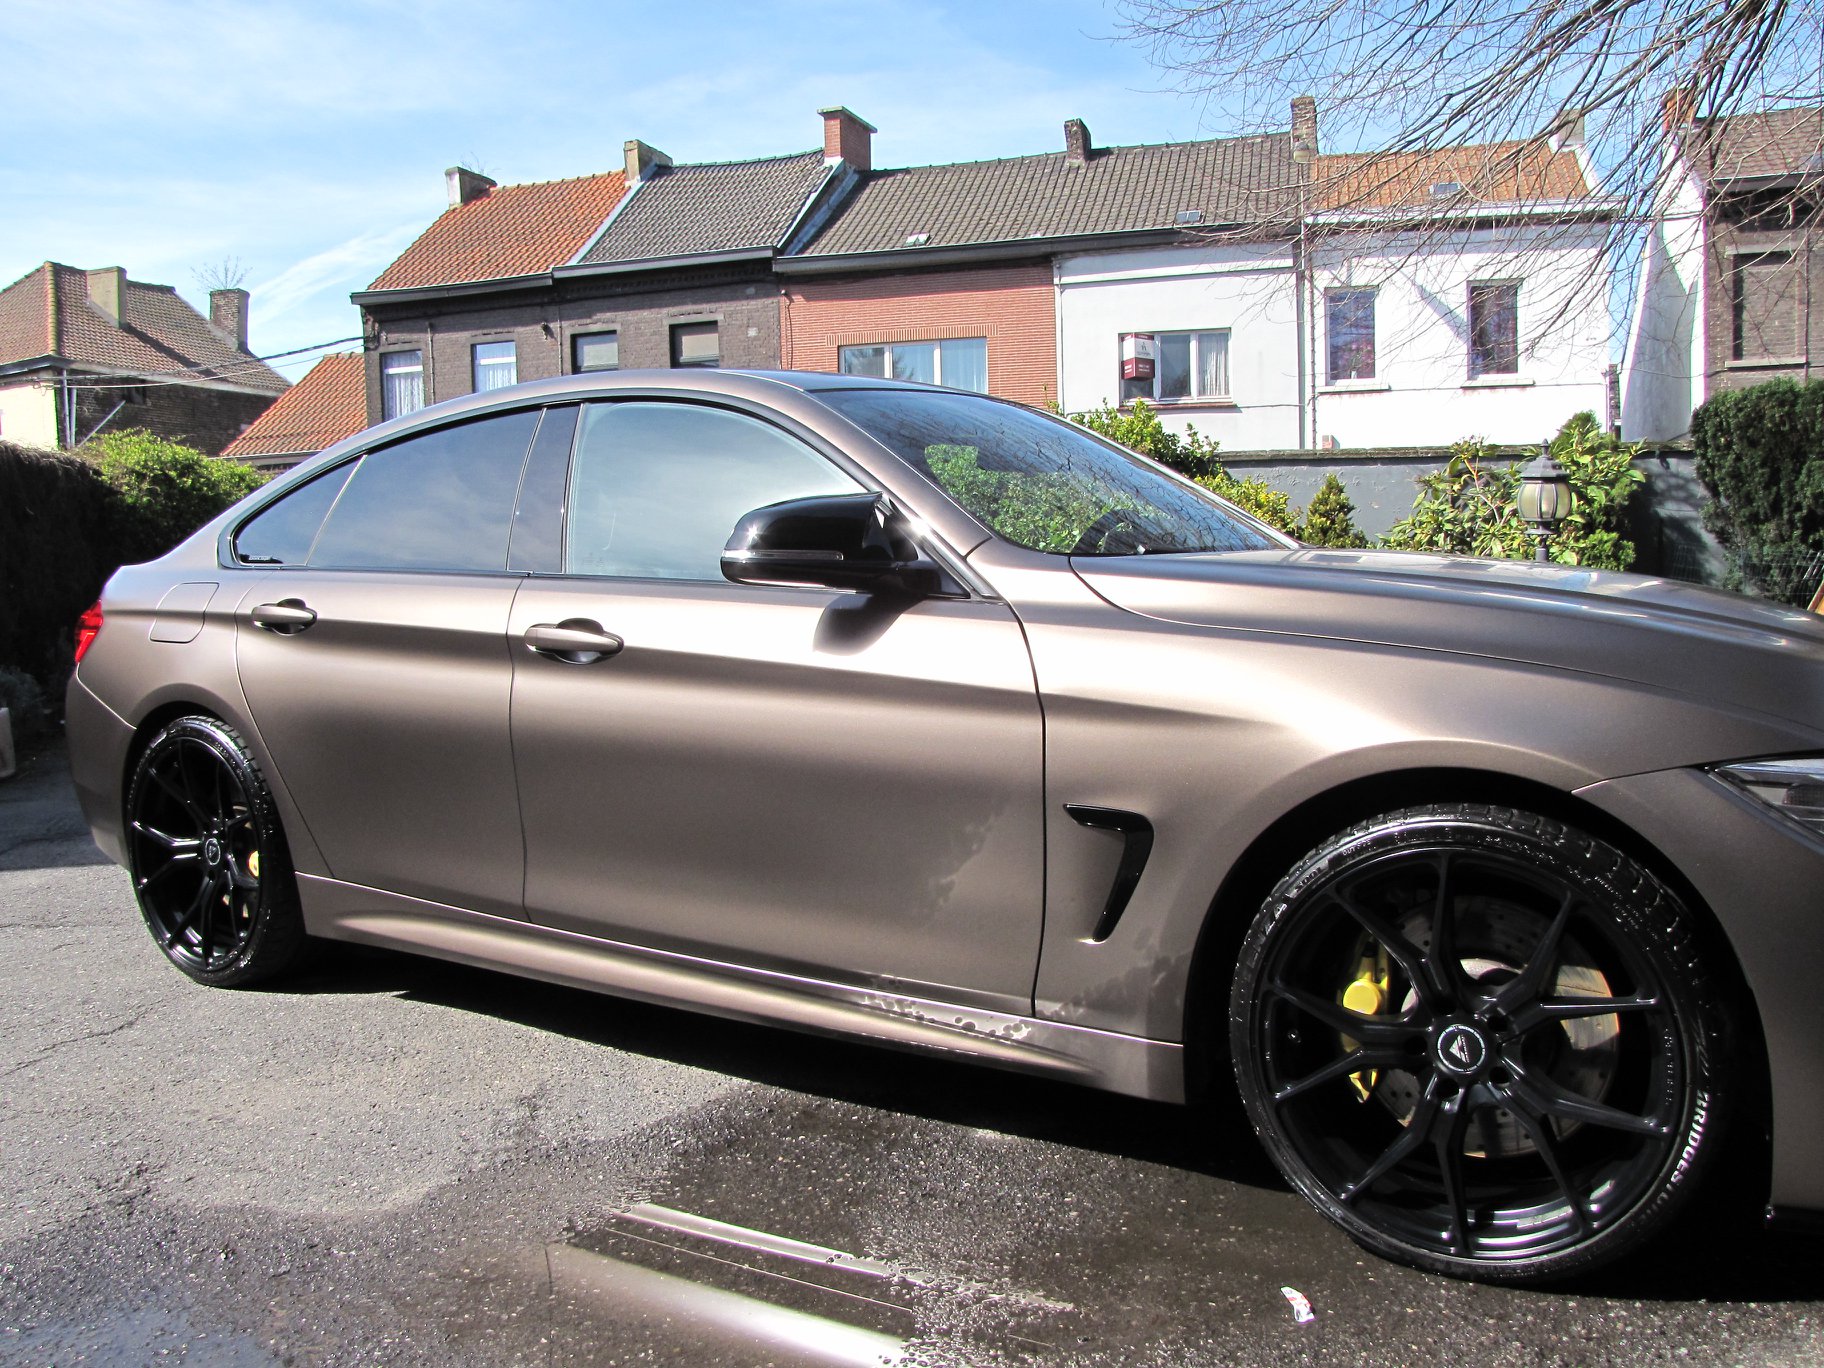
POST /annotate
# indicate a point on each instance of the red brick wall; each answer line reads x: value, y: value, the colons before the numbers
x: 1014, y: 307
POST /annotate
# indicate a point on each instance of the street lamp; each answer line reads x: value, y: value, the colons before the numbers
x: 1545, y: 498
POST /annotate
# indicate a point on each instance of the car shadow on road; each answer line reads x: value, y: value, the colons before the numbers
x: 1212, y: 1138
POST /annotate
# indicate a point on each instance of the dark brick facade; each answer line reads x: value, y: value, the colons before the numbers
x: 201, y: 417
x: 540, y: 322
x: 1764, y: 290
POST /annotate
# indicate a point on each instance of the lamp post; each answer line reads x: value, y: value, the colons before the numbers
x: 1545, y: 498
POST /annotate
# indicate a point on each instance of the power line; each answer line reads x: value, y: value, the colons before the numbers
x: 208, y: 373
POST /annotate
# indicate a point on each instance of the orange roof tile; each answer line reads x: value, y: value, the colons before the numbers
x: 512, y: 230
x: 1490, y: 173
x: 325, y: 406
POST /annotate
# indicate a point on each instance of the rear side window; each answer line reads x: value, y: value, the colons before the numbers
x: 282, y: 533
x: 440, y: 501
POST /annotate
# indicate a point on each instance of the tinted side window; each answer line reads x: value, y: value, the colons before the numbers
x: 281, y: 533
x: 441, y: 501
x: 656, y: 489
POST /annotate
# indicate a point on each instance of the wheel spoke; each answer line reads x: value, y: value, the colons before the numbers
x: 1453, y: 1124
x: 1442, y: 961
x: 181, y: 922
x: 1355, y: 1061
x: 1409, y: 957
x: 1548, y: 1098
x: 1370, y: 1030
x: 1411, y: 1136
x: 205, y: 937
x: 241, y: 879
x: 1530, y: 982
x: 165, y: 838
x: 1535, y: 1014
x: 175, y: 862
x: 1544, y: 1138
x: 181, y: 796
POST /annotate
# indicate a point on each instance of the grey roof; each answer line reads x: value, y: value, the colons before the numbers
x: 710, y: 207
x: 1117, y: 190
x: 1768, y: 143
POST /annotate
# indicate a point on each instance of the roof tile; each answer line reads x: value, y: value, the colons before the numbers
x: 1774, y: 142
x: 512, y: 230
x: 48, y: 312
x: 1489, y: 173
x: 328, y: 404
x: 710, y: 207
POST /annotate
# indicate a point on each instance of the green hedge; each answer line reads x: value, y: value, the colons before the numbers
x: 1760, y: 456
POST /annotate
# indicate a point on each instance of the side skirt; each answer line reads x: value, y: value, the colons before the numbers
x: 1099, y: 1059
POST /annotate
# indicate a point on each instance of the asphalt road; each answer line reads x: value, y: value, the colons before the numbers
x: 392, y: 1161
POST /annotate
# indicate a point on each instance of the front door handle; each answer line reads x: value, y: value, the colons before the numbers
x: 287, y: 617
x: 575, y: 641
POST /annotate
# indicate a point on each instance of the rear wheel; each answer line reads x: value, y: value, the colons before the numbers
x: 1481, y: 1042
x: 207, y: 856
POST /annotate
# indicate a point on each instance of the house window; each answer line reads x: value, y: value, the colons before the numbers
x: 1765, y: 301
x: 1189, y: 366
x: 401, y: 383
x: 595, y: 351
x: 695, y: 344
x: 496, y: 366
x: 1349, y: 329
x: 959, y: 362
x: 1494, y: 329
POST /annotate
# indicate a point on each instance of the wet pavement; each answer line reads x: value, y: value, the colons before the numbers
x: 394, y: 1161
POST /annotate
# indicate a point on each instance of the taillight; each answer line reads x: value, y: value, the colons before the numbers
x: 87, y: 628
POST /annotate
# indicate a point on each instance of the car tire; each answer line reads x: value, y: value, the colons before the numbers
x: 207, y: 856
x: 1418, y: 1028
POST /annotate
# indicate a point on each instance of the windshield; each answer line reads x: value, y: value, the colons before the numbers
x: 1046, y: 484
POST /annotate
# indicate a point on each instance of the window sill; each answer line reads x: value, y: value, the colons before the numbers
x: 1498, y: 382
x: 1163, y: 405
x: 1749, y: 363
x: 1355, y: 387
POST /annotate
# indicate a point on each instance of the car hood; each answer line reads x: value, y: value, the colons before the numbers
x: 1661, y: 633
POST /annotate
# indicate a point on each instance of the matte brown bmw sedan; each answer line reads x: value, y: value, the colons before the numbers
x: 918, y: 716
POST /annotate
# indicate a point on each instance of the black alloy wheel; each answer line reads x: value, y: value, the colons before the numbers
x: 207, y: 857
x: 1481, y: 1042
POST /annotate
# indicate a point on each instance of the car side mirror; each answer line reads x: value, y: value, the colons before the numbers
x: 839, y: 541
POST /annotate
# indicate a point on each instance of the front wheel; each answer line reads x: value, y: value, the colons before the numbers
x: 207, y: 856
x: 1481, y: 1042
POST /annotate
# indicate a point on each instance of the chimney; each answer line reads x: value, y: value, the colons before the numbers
x: 108, y: 292
x: 1568, y: 131
x: 228, y: 311
x: 1076, y: 142
x: 1677, y: 108
x: 848, y: 137
x: 465, y: 185
x: 1304, y: 128
x: 642, y: 161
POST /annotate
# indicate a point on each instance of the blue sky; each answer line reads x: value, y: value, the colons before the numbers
x: 308, y: 140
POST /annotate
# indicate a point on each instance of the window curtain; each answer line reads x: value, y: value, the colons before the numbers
x: 964, y: 362
x: 402, y: 383
x: 1213, y: 364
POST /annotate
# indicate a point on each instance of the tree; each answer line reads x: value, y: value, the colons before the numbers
x: 169, y: 489
x: 1330, y: 517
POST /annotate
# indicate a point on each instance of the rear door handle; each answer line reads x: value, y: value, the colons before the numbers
x: 576, y: 641
x: 287, y: 617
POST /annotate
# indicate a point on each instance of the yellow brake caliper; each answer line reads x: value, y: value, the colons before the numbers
x: 1365, y: 995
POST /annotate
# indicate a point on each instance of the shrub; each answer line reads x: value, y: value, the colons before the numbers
x: 1330, y: 518
x: 171, y: 489
x: 1760, y: 457
x: 1471, y: 507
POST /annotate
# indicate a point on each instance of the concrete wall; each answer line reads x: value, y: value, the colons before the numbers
x: 1249, y: 288
x: 1666, y: 336
x: 1422, y: 393
x: 1012, y: 306
x: 28, y: 414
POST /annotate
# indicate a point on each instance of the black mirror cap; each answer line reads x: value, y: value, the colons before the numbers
x: 836, y: 541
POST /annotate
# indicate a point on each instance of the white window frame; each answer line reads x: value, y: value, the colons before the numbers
x: 389, y: 369
x: 477, y: 364
x: 937, y: 368
x: 1195, y: 334
x: 575, y: 350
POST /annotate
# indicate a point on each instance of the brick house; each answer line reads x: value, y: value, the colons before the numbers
x: 658, y: 264
x: 328, y: 404
x: 84, y: 350
x: 948, y: 272
x: 1731, y: 293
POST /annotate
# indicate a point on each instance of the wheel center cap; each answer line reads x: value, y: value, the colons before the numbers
x: 1460, y: 1049
x: 212, y: 852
